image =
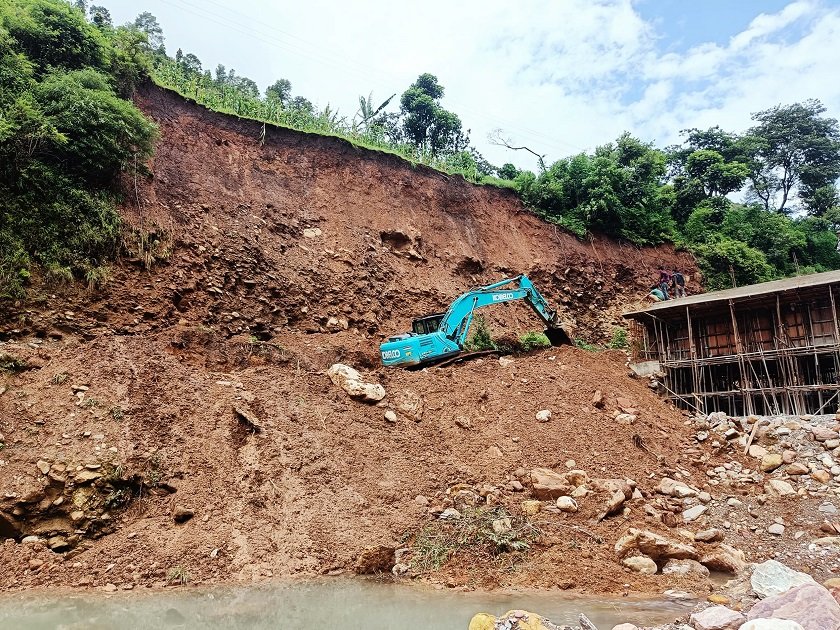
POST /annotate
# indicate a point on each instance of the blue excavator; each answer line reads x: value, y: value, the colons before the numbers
x: 441, y: 336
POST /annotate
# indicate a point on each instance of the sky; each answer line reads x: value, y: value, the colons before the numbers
x: 559, y: 76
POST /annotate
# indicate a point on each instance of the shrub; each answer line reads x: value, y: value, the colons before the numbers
x: 481, y: 338
x: 532, y: 340
x: 619, y: 339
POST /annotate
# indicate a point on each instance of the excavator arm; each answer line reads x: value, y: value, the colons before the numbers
x: 451, y: 334
x: 457, y: 319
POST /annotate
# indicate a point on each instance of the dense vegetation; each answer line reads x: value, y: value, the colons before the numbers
x: 68, y: 129
x: 788, y: 164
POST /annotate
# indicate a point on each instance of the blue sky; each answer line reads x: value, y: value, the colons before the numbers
x: 683, y: 24
x: 560, y: 76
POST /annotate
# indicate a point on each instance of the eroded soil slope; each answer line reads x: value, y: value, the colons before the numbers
x: 178, y: 425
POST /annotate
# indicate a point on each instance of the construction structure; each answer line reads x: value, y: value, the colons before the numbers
x: 764, y: 349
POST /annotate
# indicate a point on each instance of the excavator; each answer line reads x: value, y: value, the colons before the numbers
x: 442, y: 336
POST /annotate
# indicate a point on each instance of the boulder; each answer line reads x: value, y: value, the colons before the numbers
x: 773, y: 578
x: 640, y: 564
x: 693, y: 513
x: 576, y: 478
x: 502, y: 526
x: 619, y: 491
x: 709, y: 535
x: 411, y: 404
x: 182, y: 514
x: 547, y: 484
x: 530, y: 508
x: 797, y: 468
x: 543, y: 415
x: 824, y: 434
x: 567, y: 504
x: 780, y: 488
x: 770, y: 462
x: 518, y: 619
x: 653, y: 545
x: 378, y: 559
x: 724, y: 558
x: 351, y: 382
x: 809, y: 605
x: 676, y: 489
x: 717, y: 618
x: 86, y: 476
x: 684, y: 567
x: 625, y: 626
x: 770, y: 624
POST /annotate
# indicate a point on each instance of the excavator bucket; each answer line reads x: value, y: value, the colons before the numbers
x: 558, y: 336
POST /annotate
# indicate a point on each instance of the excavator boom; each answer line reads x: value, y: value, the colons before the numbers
x: 437, y: 337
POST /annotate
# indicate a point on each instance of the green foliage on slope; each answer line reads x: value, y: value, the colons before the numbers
x: 65, y: 135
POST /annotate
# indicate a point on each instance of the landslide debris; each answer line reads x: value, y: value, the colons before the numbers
x: 206, y: 360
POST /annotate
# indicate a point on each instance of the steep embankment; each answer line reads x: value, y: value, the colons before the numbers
x: 179, y: 423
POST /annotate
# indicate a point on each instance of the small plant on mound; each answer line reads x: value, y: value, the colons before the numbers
x: 481, y: 338
x: 178, y: 575
x: 492, y: 531
x: 532, y: 340
x: 619, y: 339
x: 583, y: 344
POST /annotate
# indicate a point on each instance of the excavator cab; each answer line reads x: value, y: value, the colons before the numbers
x: 427, y: 324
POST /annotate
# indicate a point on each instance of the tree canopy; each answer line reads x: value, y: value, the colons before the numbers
x: 65, y: 135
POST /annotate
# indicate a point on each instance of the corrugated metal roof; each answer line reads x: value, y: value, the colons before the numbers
x: 752, y: 290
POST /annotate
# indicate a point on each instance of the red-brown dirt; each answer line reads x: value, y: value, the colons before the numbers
x: 205, y: 383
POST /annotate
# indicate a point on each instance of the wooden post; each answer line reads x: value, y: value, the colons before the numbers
x: 692, y: 354
x: 836, y: 338
x: 748, y: 403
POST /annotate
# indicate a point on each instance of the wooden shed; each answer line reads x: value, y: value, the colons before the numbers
x: 767, y: 349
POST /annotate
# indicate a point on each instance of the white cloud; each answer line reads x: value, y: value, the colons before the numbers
x: 559, y: 76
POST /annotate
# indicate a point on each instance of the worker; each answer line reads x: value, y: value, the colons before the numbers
x: 678, y: 283
x: 656, y: 294
x: 664, y: 282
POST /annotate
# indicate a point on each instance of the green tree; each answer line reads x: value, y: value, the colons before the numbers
x: 280, y: 91
x: 426, y: 124
x: 128, y: 59
x: 716, y: 176
x: 52, y: 34
x: 721, y: 258
x: 508, y: 171
x: 148, y: 24
x: 793, y: 147
x: 101, y: 17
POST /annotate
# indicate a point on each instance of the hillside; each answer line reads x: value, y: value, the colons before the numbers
x: 178, y: 422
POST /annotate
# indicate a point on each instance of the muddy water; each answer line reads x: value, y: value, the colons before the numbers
x: 328, y: 604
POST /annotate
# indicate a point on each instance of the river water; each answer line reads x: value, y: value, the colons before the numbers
x: 339, y: 604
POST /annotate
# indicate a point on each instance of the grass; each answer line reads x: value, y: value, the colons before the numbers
x: 150, y: 244
x: 583, y: 344
x: 117, y: 413
x: 439, y: 541
x: 59, y: 378
x: 11, y: 363
x: 532, y: 340
x: 178, y: 575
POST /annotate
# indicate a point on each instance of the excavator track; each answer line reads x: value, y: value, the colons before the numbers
x: 466, y: 357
